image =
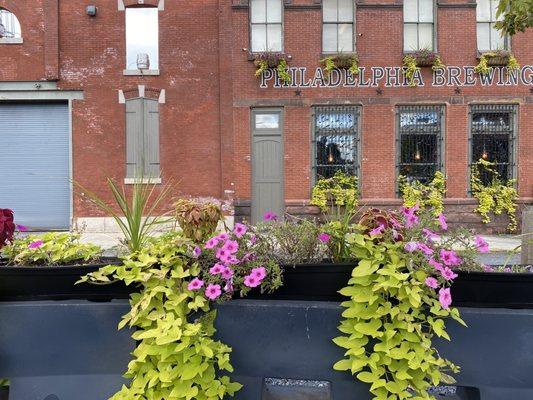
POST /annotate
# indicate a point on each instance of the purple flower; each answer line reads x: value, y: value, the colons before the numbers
x: 448, y: 274
x: 259, y: 273
x: 430, y: 234
x: 411, y: 220
x: 212, y: 292
x: 195, y: 284
x: 251, y: 281
x: 481, y: 244
x: 196, y: 252
x: 377, y: 231
x: 270, y: 216
x: 437, y: 265
x: 449, y: 257
x: 227, y: 273
x: 507, y: 269
x: 231, y: 246
x: 324, y: 237
x: 445, y: 298
x: 487, y: 268
x: 21, y: 228
x: 36, y: 244
x: 212, y: 243
x: 217, y: 269
x: 222, y: 254
x: 424, y: 249
x: 442, y: 222
x: 253, y: 239
x: 410, y: 247
x: 239, y: 230
x: 432, y: 282
x: 223, y: 236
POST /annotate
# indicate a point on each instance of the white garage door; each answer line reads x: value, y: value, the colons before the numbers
x: 35, y: 163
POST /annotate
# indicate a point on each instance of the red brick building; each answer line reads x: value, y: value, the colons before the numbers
x: 101, y: 88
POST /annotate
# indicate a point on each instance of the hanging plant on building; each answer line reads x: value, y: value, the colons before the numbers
x: 430, y: 195
x: 349, y: 62
x: 410, y: 69
x: 278, y: 61
x: 490, y: 59
x: 493, y: 193
x: 339, y: 190
x: 412, y: 63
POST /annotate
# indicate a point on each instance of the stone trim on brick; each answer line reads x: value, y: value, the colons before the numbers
x: 123, y: 4
x: 143, y: 92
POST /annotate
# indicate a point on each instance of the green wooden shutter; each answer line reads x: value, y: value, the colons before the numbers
x: 151, y: 138
x: 134, y: 137
x: 142, y: 138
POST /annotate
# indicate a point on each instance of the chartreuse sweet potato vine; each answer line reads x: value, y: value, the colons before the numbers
x: 429, y: 195
x: 339, y: 190
x: 176, y: 357
x: 389, y: 321
x: 496, y: 196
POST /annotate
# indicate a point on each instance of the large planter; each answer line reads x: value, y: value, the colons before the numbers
x: 28, y: 283
x: 321, y: 282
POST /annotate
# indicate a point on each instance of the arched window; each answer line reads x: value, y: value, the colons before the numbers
x: 10, y: 31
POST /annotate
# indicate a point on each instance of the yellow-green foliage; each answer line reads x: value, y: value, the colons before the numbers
x: 513, y: 64
x: 176, y: 356
x: 50, y: 249
x: 389, y: 321
x: 283, y: 72
x: 262, y: 66
x: 340, y: 190
x: 497, y: 196
x: 482, y: 67
x: 438, y: 64
x: 350, y: 62
x: 426, y: 196
x: 411, y: 67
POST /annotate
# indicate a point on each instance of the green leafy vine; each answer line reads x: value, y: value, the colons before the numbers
x: 484, y: 68
x: 340, y: 190
x: 429, y: 195
x: 283, y: 71
x: 349, y: 62
x: 496, y: 196
x: 411, y: 67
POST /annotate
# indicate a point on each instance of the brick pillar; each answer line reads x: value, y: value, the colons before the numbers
x: 51, y: 39
x: 456, y: 142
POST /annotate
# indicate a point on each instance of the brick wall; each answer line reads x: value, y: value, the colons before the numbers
x: 210, y: 88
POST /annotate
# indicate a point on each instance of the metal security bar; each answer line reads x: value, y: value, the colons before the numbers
x: 419, y: 141
x: 493, y: 136
x: 335, y: 140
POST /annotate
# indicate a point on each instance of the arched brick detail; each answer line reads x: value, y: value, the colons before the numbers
x: 153, y: 3
x: 11, y: 5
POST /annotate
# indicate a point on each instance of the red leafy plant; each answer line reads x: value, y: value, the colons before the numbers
x: 7, y: 226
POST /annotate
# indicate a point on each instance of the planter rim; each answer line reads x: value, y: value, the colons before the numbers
x: 101, y: 262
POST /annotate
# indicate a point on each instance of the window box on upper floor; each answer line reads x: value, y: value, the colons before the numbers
x: 10, y: 30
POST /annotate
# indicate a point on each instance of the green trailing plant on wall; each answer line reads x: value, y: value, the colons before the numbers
x: 438, y: 64
x: 176, y: 356
x: 498, y: 57
x: 264, y: 61
x: 496, y: 196
x: 429, y: 195
x: 410, y: 69
x: 398, y: 301
x: 51, y: 248
x: 349, y: 62
x: 339, y: 190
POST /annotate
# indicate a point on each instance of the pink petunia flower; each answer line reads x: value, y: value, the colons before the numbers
x: 324, y: 237
x: 212, y: 243
x: 217, y: 269
x: 231, y: 246
x: 21, y: 228
x: 227, y: 273
x: 487, y: 268
x: 410, y: 247
x: 411, y: 220
x: 195, y: 284
x: 229, y: 286
x: 442, y: 222
x: 449, y: 257
x: 410, y: 210
x: 196, y: 252
x: 36, y: 244
x: 437, y: 265
x: 240, y: 230
x: 223, y: 236
x: 445, y: 298
x: 251, y: 281
x: 430, y: 234
x: 377, y: 231
x: 432, y: 282
x: 253, y: 239
x: 448, y: 274
x: 222, y: 253
x: 212, y: 292
x: 481, y: 244
x: 232, y: 260
x: 424, y: 249
x: 270, y: 216
x: 259, y: 273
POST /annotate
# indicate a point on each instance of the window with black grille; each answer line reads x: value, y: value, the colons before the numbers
x: 336, y: 140
x: 420, y: 132
x: 493, y: 133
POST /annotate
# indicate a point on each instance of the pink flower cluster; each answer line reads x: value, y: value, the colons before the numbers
x: 255, y: 277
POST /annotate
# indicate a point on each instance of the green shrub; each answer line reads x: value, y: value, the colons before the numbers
x: 425, y: 195
x: 50, y: 249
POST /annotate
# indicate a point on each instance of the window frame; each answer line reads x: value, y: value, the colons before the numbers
x: 434, y: 30
x: 266, y: 24
x: 138, y: 72
x: 358, y: 108
x: 513, y: 109
x: 353, y: 23
x: 506, y: 39
x: 12, y: 40
x: 441, y: 138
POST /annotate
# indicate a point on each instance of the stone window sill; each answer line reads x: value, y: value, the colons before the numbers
x: 138, y: 72
x: 144, y: 181
x: 11, y: 40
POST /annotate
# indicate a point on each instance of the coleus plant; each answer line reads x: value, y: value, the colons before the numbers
x: 7, y: 226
